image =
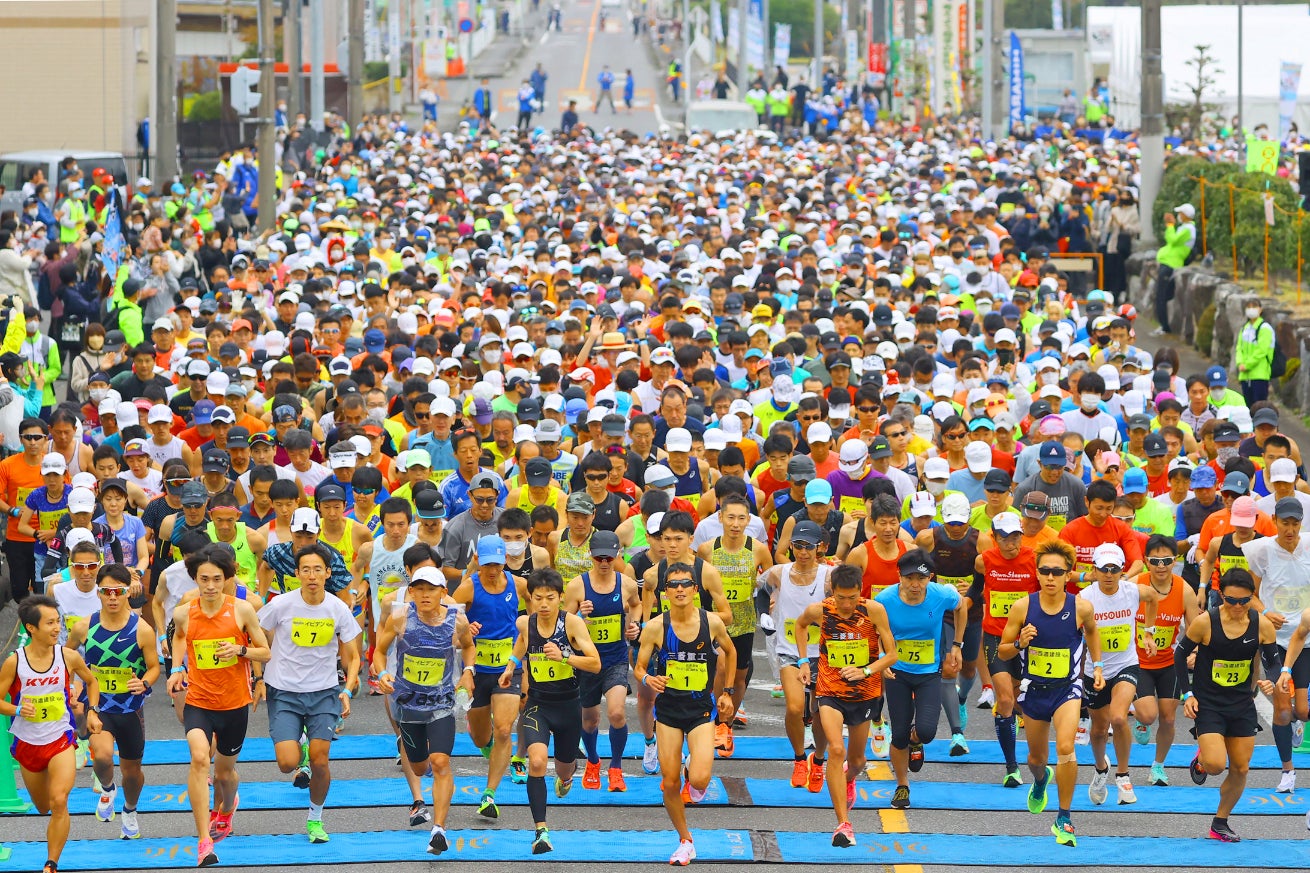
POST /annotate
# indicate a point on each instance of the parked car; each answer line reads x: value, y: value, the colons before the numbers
x: 16, y: 166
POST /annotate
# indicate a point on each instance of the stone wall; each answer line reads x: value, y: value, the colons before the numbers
x: 1196, y: 288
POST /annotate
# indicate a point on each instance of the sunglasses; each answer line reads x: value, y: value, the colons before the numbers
x: 1237, y: 601
x: 797, y: 544
x: 177, y: 483
x: 33, y: 437
x: 1052, y: 571
x: 680, y: 583
x: 113, y: 592
x: 897, y: 435
x: 597, y: 477
x: 955, y: 436
x: 365, y: 491
x: 1111, y: 569
x: 90, y: 565
x: 867, y: 410
x: 484, y: 501
x: 602, y: 559
x: 1159, y: 562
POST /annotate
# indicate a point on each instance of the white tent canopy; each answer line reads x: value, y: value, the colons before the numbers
x: 1271, y: 35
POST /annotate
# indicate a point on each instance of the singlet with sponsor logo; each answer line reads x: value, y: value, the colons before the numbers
x: 1004, y: 583
x: 1116, y: 623
x: 48, y: 690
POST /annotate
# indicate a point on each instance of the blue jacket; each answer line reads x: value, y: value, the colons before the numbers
x: 606, y: 80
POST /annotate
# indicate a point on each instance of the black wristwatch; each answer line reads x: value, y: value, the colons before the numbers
x: 243, y: 651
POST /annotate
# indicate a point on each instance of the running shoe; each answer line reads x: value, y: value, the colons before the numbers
x: 486, y: 750
x: 1037, y: 794
x: 964, y: 716
x: 809, y: 737
x: 800, y: 773
x: 776, y: 692
x: 617, y: 782
x: 901, y: 799
x: 131, y: 830
x: 881, y: 741
x: 1141, y: 733
x: 205, y: 854
x: 1124, y: 784
x: 844, y: 836
x: 986, y: 698
x: 563, y: 786
x: 82, y: 754
x: 316, y: 832
x: 301, y: 779
x: 437, y: 843
x: 541, y: 842
x: 815, y: 779
x: 1287, y: 782
x: 740, y: 719
x: 1219, y: 830
x: 650, y: 759
x: 1013, y: 778
x: 1197, y: 773
x: 1099, y: 788
x: 487, y: 807
x: 685, y: 854
x: 916, y: 757
x: 518, y: 770
x: 723, y: 740
x: 50, y: 867
x: 1064, y: 833
x: 591, y: 776
x: 1298, y: 733
x: 1158, y: 776
x: 418, y: 814
x: 850, y: 790
x: 958, y: 745
x: 105, y: 806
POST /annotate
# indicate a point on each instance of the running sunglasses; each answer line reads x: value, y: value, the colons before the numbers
x: 177, y: 483
x: 680, y: 583
x: 90, y: 565
x: 1159, y: 562
x: 1111, y: 569
x: 113, y: 592
x: 366, y: 491
x: 33, y: 437
x: 1052, y: 571
x: 797, y: 544
x: 1237, y: 601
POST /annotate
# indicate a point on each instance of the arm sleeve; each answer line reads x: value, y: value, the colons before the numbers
x: 1181, y: 653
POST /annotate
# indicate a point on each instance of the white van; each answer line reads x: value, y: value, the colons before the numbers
x: 720, y: 116
x: 15, y: 168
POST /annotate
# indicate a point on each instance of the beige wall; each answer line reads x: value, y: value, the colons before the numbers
x: 94, y: 82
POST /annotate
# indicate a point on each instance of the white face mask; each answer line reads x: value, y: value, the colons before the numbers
x: 98, y: 394
x: 1050, y: 377
x: 492, y: 356
x: 936, y: 489
x: 1252, y: 313
x: 1089, y: 401
x: 555, y: 340
x: 903, y: 306
x: 514, y: 549
x: 1217, y: 394
x: 973, y: 382
x: 983, y: 306
x: 787, y: 286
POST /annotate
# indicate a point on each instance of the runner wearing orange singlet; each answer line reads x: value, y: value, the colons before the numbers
x: 877, y: 560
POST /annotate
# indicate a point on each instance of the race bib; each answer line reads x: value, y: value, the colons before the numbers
x: 312, y: 632
x: 113, y: 680
x: 288, y: 583
x: 1001, y: 602
x: 207, y: 657
x: 687, y: 675
x: 1080, y: 570
x: 1230, y: 674
x: 605, y: 628
x: 384, y: 590
x: 1164, y: 637
x: 543, y: 669
x: 439, y: 476
x: 1048, y: 663
x: 961, y: 583
x: 1115, y: 638
x: 851, y: 504
x: 848, y: 653
x: 424, y: 671
x: 789, y: 631
x: 69, y: 621
x: 917, y: 651
x: 493, y: 653
x: 48, y: 707
x: 664, y: 601
x: 737, y: 589
x: 1056, y: 522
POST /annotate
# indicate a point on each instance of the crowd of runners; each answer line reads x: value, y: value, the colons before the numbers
x: 505, y: 432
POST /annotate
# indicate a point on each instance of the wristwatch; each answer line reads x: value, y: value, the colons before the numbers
x: 243, y: 651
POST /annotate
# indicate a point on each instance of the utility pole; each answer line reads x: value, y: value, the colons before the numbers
x: 267, y: 141
x: 743, y: 80
x: 165, y: 129
x: 907, y: 61
x: 1240, y: 23
x: 686, y: 54
x: 878, y: 34
x: 316, y: 95
x: 295, y: 54
x: 1152, y: 100
x: 355, y: 76
x: 994, y: 54
x: 818, y: 46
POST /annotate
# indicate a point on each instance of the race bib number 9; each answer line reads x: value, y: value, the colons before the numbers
x: 207, y: 657
x: 848, y: 653
x: 424, y: 671
x: 312, y: 632
x: 493, y: 653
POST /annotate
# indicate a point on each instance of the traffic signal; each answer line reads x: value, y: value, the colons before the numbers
x: 244, y: 96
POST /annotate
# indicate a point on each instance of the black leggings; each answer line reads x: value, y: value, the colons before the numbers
x: 913, y: 700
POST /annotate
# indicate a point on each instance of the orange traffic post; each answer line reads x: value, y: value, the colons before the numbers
x: 10, y: 802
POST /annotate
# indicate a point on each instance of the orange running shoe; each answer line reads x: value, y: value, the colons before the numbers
x: 616, y: 779
x: 591, y: 776
x: 816, y: 774
x: 800, y: 773
x: 723, y: 741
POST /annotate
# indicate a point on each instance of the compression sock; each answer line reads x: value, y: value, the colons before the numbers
x: 951, y: 706
x: 618, y: 742
x: 966, y: 685
x: 1283, y: 740
x: 589, y: 743
x: 1005, y: 734
x: 537, y: 797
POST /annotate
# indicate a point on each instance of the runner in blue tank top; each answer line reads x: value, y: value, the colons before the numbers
x: 1051, y: 629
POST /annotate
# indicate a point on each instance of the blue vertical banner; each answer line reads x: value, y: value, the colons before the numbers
x: 111, y: 254
x: 1018, y: 108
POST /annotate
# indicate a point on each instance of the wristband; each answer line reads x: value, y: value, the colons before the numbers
x: 1266, y: 612
x: 868, y: 671
x: 14, y: 511
x: 176, y: 670
x: 1286, y: 670
x: 383, y: 673
x: 1186, y: 696
x: 957, y: 643
x: 1098, y: 665
x: 802, y: 661
x: 516, y: 662
x: 1149, y: 631
x: 349, y: 694
x: 643, y: 680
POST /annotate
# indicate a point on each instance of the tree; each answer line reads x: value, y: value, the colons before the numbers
x: 1205, y: 67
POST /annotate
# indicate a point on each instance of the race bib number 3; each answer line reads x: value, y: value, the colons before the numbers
x: 493, y: 653
x: 917, y: 651
x: 424, y: 671
x: 847, y: 653
x: 605, y: 628
x: 1115, y: 638
x: 48, y: 707
x: 312, y: 632
x: 1230, y: 674
x: 1048, y: 663
x: 113, y: 680
x: 811, y: 635
x: 543, y: 669
x: 207, y: 657
x: 687, y: 675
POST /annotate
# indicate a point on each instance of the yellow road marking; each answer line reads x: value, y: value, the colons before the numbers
x: 893, y: 821
x: 591, y: 38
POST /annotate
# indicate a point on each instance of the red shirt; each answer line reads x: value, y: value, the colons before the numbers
x: 1084, y: 537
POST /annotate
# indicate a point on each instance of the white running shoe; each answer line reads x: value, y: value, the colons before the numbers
x: 1298, y: 733
x: 881, y: 741
x: 131, y: 830
x: 1287, y: 782
x: 1099, y: 788
x: 650, y: 759
x: 986, y: 698
x: 809, y: 737
x: 1125, y: 786
x: 105, y: 807
x: 685, y: 855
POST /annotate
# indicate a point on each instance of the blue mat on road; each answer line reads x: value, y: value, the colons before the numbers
x: 1041, y: 852
x: 347, y: 793
x: 972, y: 796
x: 386, y: 846
x: 350, y: 747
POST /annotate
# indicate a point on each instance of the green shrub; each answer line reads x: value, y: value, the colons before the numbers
x: 206, y: 107
x: 1205, y: 330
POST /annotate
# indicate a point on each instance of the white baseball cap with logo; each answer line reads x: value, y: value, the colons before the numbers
x: 955, y: 509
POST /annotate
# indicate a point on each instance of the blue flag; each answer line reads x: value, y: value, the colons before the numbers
x: 111, y: 254
x: 1017, y: 102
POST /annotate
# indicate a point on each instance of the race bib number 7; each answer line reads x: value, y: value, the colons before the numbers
x: 312, y: 632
